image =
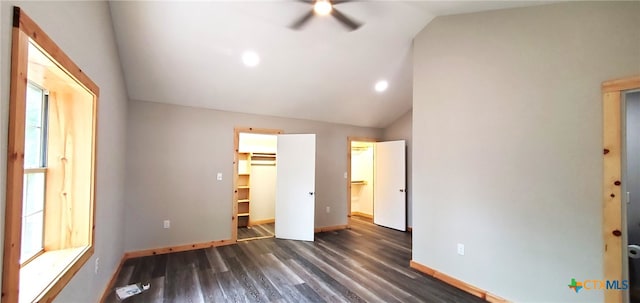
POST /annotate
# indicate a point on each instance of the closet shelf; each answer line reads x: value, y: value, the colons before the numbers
x: 263, y: 155
x: 243, y: 186
x: 263, y: 159
x: 243, y: 200
x: 243, y: 214
x: 359, y: 182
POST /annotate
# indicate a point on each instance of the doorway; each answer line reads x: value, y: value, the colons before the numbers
x: 631, y: 188
x: 376, y: 182
x: 361, y: 180
x: 255, y: 183
x: 273, y: 185
x: 614, y: 179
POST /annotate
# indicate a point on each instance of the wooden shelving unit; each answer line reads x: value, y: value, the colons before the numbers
x: 245, y: 161
x: 263, y: 159
x: 244, y: 187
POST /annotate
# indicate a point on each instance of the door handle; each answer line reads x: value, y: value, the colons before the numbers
x: 310, y: 193
x: 401, y: 190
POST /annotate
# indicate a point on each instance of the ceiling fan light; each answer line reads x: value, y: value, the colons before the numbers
x: 250, y: 58
x: 322, y: 7
x: 381, y: 86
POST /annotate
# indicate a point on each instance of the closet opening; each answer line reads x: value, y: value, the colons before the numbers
x: 631, y: 190
x: 620, y: 185
x: 255, y: 183
x: 376, y: 182
x: 361, y: 182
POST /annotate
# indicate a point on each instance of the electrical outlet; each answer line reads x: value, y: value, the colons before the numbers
x: 461, y: 249
x: 97, y: 265
x: 167, y: 224
x: 328, y: 209
x: 219, y: 177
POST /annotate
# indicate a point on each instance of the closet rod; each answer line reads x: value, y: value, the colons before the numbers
x: 263, y: 164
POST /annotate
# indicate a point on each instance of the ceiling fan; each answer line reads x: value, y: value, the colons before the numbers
x: 324, y: 8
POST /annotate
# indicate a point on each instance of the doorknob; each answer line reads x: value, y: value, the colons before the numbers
x: 310, y: 193
x: 402, y: 190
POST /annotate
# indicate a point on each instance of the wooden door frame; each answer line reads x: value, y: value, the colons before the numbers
x: 236, y: 148
x: 348, y: 181
x: 612, y: 109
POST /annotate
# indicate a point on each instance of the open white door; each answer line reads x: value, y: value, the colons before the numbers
x: 389, y: 197
x: 295, y: 187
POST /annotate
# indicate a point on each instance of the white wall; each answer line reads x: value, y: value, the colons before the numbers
x: 263, y: 192
x: 84, y: 31
x: 257, y: 143
x: 508, y: 122
x: 174, y: 153
x: 401, y: 130
x: 362, y: 170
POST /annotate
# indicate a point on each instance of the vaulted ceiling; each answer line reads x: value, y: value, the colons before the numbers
x: 190, y: 53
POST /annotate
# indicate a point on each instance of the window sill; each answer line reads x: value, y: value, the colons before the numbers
x: 47, y: 271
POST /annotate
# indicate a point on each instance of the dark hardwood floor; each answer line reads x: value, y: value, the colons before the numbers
x: 256, y: 231
x: 367, y: 263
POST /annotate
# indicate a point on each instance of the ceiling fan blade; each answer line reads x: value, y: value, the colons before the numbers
x: 300, y: 22
x: 334, y: 2
x: 308, y: 1
x: 346, y: 21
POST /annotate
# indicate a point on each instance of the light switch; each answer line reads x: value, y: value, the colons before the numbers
x: 345, y: 175
x: 219, y: 177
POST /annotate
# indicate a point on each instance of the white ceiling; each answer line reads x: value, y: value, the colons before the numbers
x: 189, y: 53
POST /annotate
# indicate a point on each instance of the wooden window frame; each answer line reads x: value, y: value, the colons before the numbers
x: 25, y: 29
x: 612, y: 229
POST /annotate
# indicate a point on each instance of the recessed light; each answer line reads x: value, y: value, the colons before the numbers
x: 381, y: 86
x: 250, y: 58
x: 322, y: 7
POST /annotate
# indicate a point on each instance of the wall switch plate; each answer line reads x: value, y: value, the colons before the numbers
x: 219, y: 177
x: 461, y: 249
x: 328, y: 209
x: 345, y: 175
x: 167, y: 224
x: 97, y: 265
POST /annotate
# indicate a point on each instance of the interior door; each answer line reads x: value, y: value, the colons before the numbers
x: 389, y: 192
x: 295, y: 186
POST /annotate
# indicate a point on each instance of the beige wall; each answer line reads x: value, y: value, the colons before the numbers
x: 174, y: 153
x: 508, y: 123
x: 83, y: 30
x: 401, y: 130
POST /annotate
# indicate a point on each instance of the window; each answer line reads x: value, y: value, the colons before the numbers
x: 34, y: 173
x: 49, y: 215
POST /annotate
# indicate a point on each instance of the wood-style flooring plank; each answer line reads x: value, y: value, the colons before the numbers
x: 211, y: 288
x: 256, y: 231
x: 324, y: 290
x: 366, y: 263
x: 309, y: 294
